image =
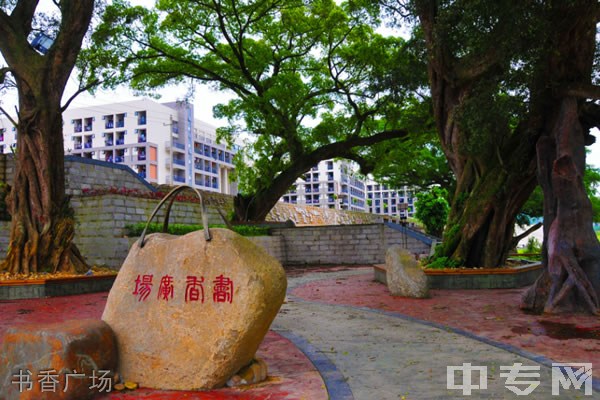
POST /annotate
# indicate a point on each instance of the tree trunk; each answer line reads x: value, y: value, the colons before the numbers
x: 256, y: 207
x: 43, y: 226
x: 479, y: 229
x: 492, y: 183
x: 571, y: 280
x: 571, y: 252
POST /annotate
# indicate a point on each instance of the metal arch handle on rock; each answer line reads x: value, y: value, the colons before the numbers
x: 171, y: 196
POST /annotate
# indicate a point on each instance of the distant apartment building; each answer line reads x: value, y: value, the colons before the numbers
x: 8, y: 135
x: 394, y: 203
x: 330, y: 184
x: 162, y: 142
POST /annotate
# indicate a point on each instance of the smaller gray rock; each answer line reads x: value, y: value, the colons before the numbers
x: 404, y: 276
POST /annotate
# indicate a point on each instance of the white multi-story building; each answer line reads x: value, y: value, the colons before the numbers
x: 393, y: 203
x: 330, y: 184
x: 163, y: 143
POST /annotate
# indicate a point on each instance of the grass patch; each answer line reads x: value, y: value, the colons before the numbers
x: 181, y: 229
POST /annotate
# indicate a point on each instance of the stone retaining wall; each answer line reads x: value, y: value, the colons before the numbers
x: 101, y: 220
x: 83, y: 174
x: 349, y: 244
x: 4, y: 235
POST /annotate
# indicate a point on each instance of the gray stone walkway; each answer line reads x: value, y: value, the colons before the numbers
x: 381, y: 356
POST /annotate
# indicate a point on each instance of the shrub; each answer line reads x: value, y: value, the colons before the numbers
x: 533, y: 245
x: 432, y: 210
x: 182, y: 229
x: 442, y: 263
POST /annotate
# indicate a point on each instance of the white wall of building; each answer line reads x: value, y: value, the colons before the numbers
x: 330, y: 184
x: 383, y: 200
x: 164, y: 143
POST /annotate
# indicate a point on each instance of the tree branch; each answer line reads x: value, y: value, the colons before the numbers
x: 3, y: 73
x: 12, y: 121
x: 517, y: 239
x: 87, y: 87
x: 23, y: 13
x: 581, y: 90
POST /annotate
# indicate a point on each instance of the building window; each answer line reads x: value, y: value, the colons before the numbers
x: 88, y: 124
x: 141, y: 117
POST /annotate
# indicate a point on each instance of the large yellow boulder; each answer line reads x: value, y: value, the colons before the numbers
x: 187, y: 313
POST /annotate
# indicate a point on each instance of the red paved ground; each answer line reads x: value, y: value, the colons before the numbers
x: 291, y: 374
x: 494, y: 314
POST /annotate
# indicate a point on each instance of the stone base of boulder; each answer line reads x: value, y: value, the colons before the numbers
x: 254, y: 373
x: 68, y: 360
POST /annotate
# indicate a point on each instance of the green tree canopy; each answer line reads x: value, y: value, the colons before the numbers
x: 432, y: 210
x: 311, y: 81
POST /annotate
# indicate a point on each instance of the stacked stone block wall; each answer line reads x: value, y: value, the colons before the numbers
x: 101, y: 220
x: 349, y: 244
x: 4, y: 235
x: 85, y: 174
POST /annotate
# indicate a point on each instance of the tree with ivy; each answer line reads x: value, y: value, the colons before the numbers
x: 310, y: 80
x: 511, y: 84
x: 42, y: 228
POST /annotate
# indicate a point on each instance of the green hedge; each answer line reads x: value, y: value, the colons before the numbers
x: 180, y: 229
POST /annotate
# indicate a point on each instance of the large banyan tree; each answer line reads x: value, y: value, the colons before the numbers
x: 42, y: 229
x: 511, y: 84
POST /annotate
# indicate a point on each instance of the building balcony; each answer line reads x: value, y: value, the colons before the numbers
x: 120, y: 124
x: 179, y: 146
x: 142, y: 120
x: 87, y: 128
x: 87, y: 145
x: 108, y: 142
x: 120, y: 141
x: 109, y: 125
x: 141, y: 157
x: 78, y: 146
x: 142, y: 174
x: 142, y: 139
x: 179, y: 162
x: 78, y: 128
x: 119, y: 159
x: 180, y: 179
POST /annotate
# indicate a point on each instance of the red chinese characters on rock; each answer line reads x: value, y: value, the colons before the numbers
x: 194, y: 289
x: 222, y: 290
x: 143, y: 287
x: 165, y: 290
